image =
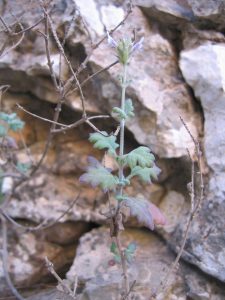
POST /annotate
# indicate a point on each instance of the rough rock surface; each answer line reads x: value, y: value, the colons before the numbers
x: 178, y: 12
x: 27, y: 252
x: 102, y: 280
x: 157, y: 88
x: 203, y: 69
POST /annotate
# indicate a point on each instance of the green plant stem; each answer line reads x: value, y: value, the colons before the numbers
x: 122, y: 125
x: 121, y: 176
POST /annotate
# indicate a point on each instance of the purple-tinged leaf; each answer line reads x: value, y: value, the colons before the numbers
x: 111, y: 41
x: 98, y: 175
x: 146, y: 213
x: 138, y: 46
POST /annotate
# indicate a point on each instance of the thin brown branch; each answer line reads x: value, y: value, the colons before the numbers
x: 91, y: 76
x: 5, y: 261
x: 194, y: 208
x: 52, y: 73
x: 62, y: 283
x: 95, y: 46
x: 39, y: 117
x: 7, y: 28
x: 28, y: 28
x: 124, y: 265
x: 42, y: 225
x: 60, y: 47
x: 131, y: 289
x: 3, y: 53
x: 79, y: 122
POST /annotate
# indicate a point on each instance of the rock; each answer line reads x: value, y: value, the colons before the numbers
x: 155, y: 125
x: 100, y: 279
x: 193, y: 37
x: 49, y: 294
x: 26, y: 263
x: 65, y: 233
x: 179, y: 12
x: 29, y: 60
x: 173, y: 207
x: 172, y: 12
x: 203, y: 70
x: 157, y: 89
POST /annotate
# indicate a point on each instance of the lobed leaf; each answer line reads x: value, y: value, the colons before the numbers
x: 3, y: 130
x: 23, y: 167
x: 145, y: 174
x: 98, y: 175
x: 119, y: 113
x: 12, y: 120
x: 126, y: 113
x: 129, y: 108
x: 139, y: 156
x: 101, y: 141
x: 146, y: 213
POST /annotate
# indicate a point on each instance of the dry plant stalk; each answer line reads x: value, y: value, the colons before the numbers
x: 196, y: 201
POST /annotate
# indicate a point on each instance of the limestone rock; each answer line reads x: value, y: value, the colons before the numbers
x: 179, y: 12
x: 100, y: 279
x: 203, y: 69
x: 29, y: 60
x: 26, y: 263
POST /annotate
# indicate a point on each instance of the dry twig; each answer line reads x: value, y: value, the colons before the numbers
x: 195, y: 205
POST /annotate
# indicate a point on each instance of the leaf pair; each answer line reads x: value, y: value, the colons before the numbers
x: 126, y: 113
x: 128, y: 252
x: 98, y: 175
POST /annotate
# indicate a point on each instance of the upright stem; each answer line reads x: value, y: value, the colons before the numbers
x: 121, y: 176
x: 122, y: 123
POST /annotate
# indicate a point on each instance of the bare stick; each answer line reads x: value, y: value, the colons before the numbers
x: 5, y: 261
x: 91, y: 76
x: 131, y: 288
x: 65, y: 287
x: 194, y: 208
x: 95, y: 46
x: 42, y: 225
x: 81, y: 121
x: 124, y: 265
x: 39, y: 117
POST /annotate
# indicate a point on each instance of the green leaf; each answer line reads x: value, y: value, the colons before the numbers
x: 129, y: 252
x: 3, y: 130
x: 131, y: 248
x: 129, y: 257
x: 12, y: 120
x: 126, y: 113
x: 119, y: 113
x: 113, y: 248
x: 145, y: 174
x: 23, y: 167
x: 129, y: 108
x: 140, y: 156
x: 117, y: 258
x: 101, y: 141
x: 97, y: 175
